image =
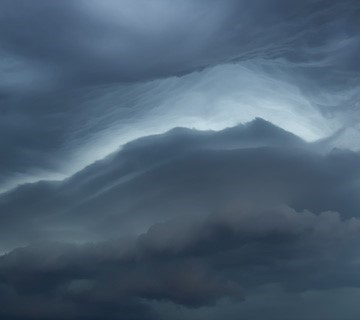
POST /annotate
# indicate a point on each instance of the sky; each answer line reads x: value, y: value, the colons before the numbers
x: 165, y: 159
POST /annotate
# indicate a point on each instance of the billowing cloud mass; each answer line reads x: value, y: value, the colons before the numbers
x: 77, y: 73
x: 193, y: 159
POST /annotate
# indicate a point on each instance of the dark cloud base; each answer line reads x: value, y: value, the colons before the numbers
x: 250, y: 222
x: 207, y: 216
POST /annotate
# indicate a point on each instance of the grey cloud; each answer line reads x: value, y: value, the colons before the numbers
x: 276, y: 304
x: 92, y: 45
x: 249, y: 222
x: 183, y: 172
x: 226, y: 254
x: 53, y: 51
x: 105, y: 39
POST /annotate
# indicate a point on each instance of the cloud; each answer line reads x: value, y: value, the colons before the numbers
x: 59, y: 113
x: 275, y: 304
x: 184, y: 159
x: 183, y: 172
x: 106, y: 41
x: 193, y: 264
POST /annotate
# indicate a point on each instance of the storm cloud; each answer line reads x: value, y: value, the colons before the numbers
x: 77, y: 74
x: 164, y: 159
x: 193, y: 217
x: 194, y: 263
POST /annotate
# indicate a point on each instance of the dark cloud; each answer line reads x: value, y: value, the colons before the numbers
x: 258, y: 220
x: 106, y: 41
x: 192, y: 263
x: 184, y: 172
x: 207, y: 219
x: 53, y: 51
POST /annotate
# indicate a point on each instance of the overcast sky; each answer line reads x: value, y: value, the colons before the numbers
x: 193, y: 159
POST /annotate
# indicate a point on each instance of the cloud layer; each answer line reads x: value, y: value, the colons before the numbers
x: 68, y: 102
x: 184, y: 172
x: 194, y: 159
x: 188, y: 218
x: 192, y: 264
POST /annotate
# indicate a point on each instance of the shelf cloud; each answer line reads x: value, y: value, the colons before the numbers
x: 179, y: 159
